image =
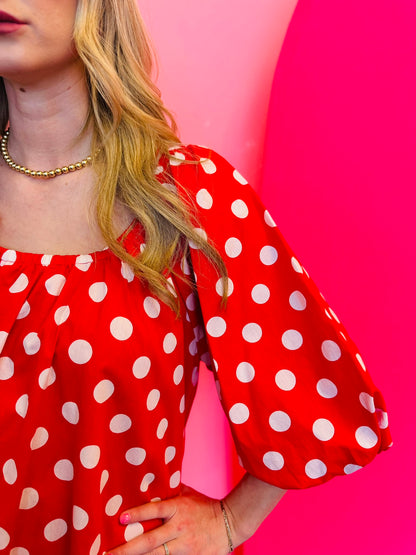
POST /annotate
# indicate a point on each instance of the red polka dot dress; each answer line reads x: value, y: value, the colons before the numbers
x: 97, y: 376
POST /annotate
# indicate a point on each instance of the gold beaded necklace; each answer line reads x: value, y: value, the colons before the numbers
x: 39, y: 174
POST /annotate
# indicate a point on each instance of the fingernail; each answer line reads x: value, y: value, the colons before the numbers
x: 124, y: 519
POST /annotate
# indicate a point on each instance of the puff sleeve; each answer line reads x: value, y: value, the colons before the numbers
x: 300, y: 402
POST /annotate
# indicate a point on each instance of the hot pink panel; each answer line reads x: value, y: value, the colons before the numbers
x: 339, y: 178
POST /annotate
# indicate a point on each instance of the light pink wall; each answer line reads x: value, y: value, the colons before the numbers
x: 216, y: 62
x: 339, y: 177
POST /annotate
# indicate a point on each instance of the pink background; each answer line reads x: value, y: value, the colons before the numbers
x: 335, y: 164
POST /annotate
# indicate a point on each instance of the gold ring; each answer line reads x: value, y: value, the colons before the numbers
x: 167, y: 552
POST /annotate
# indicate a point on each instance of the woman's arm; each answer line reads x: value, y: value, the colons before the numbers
x: 194, y: 524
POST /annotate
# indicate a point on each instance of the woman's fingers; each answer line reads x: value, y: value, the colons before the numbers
x: 149, y: 543
x: 163, y: 510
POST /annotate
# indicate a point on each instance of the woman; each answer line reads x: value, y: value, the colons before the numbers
x: 99, y: 352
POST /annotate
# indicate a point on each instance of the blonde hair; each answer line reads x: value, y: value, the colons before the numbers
x: 131, y: 130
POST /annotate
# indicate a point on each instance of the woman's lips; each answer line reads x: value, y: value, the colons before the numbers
x: 8, y: 18
x: 9, y: 23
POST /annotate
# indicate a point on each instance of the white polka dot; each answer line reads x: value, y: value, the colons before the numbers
x: 273, y: 460
x: 29, y: 499
x: 204, y: 199
x: 95, y: 548
x: 292, y: 340
x: 195, y: 376
x: 202, y: 234
x: 90, y: 456
x: 6, y: 368
x: 245, y: 372
x: 175, y: 479
x: 209, y: 166
x: 55, y: 530
x: 330, y: 350
x: 151, y: 307
x: 382, y: 418
x: 285, y: 380
x: 47, y: 378
x: 80, y: 351
x: 20, y: 284
x: 219, y: 287
x: 366, y: 437
x: 233, y: 247
x: 216, y: 326
x: 260, y: 293
x: 193, y: 347
x: 39, y: 439
x: 161, y: 429
x: 238, y: 177
x: 169, y: 343
x: 120, y: 423
x: 170, y: 453
x: 127, y: 272
x: 191, y: 302
x: 22, y: 405
x: 361, y: 362
x: 113, y: 505
x: 367, y: 402
x: 9, y: 258
x: 268, y: 255
x: 133, y: 531
x: 178, y: 374
x: 103, y: 391
x: 64, y: 470
x: 3, y: 338
x: 323, y: 429
x: 4, y: 538
x: 135, y: 456
x: 268, y: 219
x: 31, y: 343
x: 147, y: 480
x: 297, y: 301
x: 239, y: 413
x: 239, y: 209
x: 141, y: 367
x: 252, y: 333
x: 315, y: 469
x: 61, y: 315
x: 296, y: 265
x: 182, y: 404
x: 10, y: 472
x: 280, y: 421
x: 19, y: 551
x: 121, y: 328
x: 153, y: 399
x: 334, y: 315
x: 98, y: 291
x: 350, y: 468
x: 54, y: 284
x: 80, y: 518
x: 83, y: 262
x: 105, y: 475
x: 70, y: 412
x: 46, y: 260
x: 327, y: 389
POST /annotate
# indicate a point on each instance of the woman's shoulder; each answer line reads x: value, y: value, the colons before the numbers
x: 201, y: 168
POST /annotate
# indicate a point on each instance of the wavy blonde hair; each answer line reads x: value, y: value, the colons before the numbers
x: 131, y: 130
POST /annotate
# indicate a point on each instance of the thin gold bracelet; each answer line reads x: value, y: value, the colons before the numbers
x: 227, y: 527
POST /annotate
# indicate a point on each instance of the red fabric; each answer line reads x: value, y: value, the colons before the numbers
x: 98, y: 376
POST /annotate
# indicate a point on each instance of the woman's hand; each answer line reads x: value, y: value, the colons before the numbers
x: 192, y: 524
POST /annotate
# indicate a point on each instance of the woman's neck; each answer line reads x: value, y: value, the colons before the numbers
x: 46, y: 120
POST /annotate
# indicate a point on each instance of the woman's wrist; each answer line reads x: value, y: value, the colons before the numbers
x: 247, y: 505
